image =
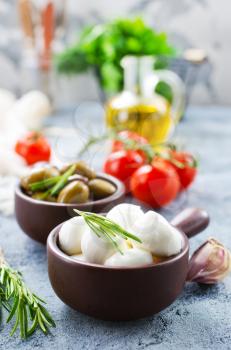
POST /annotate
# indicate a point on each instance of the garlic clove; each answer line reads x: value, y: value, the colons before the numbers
x: 130, y: 258
x: 125, y: 215
x: 210, y: 263
x: 157, y: 235
x: 70, y: 235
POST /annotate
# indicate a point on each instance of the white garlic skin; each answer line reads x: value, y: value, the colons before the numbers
x: 130, y: 258
x: 96, y: 249
x: 125, y: 215
x: 70, y: 235
x: 157, y: 235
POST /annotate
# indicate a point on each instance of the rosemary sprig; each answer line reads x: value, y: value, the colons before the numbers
x: 44, y: 184
x: 63, y: 180
x: 21, y: 304
x: 104, y: 227
x: 113, y: 134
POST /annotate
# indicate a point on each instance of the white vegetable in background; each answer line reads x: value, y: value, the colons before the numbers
x: 131, y: 257
x: 7, y: 100
x: 125, y: 215
x: 157, y: 235
x: 10, y: 162
x: 71, y: 234
x: 96, y: 249
x: 31, y: 110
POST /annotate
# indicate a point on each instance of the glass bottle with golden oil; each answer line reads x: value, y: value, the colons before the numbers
x: 138, y: 108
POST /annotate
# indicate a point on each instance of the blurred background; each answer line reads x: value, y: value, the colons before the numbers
x: 26, y: 47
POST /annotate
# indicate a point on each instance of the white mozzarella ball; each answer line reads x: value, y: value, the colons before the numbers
x: 125, y: 215
x: 131, y: 257
x: 96, y: 249
x: 79, y: 257
x: 70, y: 235
x: 157, y: 235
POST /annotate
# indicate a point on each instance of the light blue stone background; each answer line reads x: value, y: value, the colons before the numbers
x: 201, y: 317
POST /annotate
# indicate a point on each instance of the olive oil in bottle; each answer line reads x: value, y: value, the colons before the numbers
x: 138, y: 108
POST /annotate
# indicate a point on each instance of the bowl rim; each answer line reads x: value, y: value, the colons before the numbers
x: 120, y: 191
x: 54, y: 248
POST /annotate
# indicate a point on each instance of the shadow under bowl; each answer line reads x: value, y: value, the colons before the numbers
x: 37, y: 218
x: 112, y: 293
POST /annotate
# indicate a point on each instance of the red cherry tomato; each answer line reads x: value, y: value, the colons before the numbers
x: 155, y: 185
x: 186, y: 167
x: 33, y: 148
x: 122, y: 165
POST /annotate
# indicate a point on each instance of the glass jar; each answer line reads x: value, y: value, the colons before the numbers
x: 138, y: 108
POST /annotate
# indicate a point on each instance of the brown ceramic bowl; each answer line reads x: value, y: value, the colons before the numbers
x: 37, y: 218
x: 123, y: 293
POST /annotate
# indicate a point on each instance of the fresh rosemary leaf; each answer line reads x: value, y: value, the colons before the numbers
x: 15, y: 325
x: 21, y: 320
x: 33, y: 326
x: 62, y: 181
x: 13, y: 310
x: 41, y: 324
x: 44, y: 184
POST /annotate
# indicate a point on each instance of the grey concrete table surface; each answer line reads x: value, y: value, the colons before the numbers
x: 201, y: 317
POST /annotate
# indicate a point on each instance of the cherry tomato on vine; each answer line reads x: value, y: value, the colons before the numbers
x: 122, y: 164
x: 34, y: 148
x: 186, y: 167
x: 156, y: 185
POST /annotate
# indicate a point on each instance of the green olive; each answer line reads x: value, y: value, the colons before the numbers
x: 77, y: 177
x: 82, y: 169
x: 40, y: 196
x: 101, y: 188
x: 74, y: 192
x: 38, y: 175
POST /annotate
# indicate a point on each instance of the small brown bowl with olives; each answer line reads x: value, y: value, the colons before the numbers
x: 47, y: 196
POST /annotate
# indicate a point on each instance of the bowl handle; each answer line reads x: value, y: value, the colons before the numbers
x: 191, y: 221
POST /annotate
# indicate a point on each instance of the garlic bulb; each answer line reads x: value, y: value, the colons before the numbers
x: 96, y: 249
x: 30, y: 110
x: 131, y: 257
x: 125, y: 215
x: 210, y: 263
x: 157, y: 235
x: 70, y: 235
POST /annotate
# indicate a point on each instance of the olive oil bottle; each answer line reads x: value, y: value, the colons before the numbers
x: 138, y: 107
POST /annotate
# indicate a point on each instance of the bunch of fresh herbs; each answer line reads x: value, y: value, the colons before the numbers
x: 102, y: 47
